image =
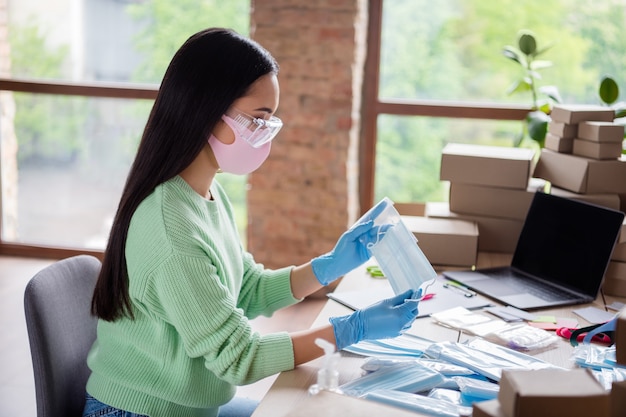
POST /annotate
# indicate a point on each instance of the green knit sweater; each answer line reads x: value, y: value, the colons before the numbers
x: 193, y: 289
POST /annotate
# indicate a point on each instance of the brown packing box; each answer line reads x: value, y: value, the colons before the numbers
x: 601, y: 131
x: 619, y: 252
x: 496, y: 166
x: 490, y: 408
x: 445, y: 241
x: 494, y: 234
x: 576, y: 113
x: 506, y: 203
x: 611, y: 201
x: 597, y: 150
x: 614, y: 286
x: 620, y: 342
x: 615, y: 279
x: 552, y: 393
x: 563, y: 130
x: 618, y: 399
x: 582, y: 175
x: 559, y: 144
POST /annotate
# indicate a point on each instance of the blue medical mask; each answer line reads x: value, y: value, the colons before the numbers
x: 397, y: 252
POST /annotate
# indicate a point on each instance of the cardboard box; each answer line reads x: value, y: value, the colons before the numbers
x: 620, y: 344
x: 576, y: 113
x: 552, y: 393
x: 563, y: 130
x: 495, y: 166
x: 489, y: 408
x: 608, y: 200
x: 619, y: 252
x: 597, y: 150
x: 601, y: 131
x: 507, y: 203
x: 582, y: 175
x: 615, y: 287
x: 445, y: 241
x: 559, y: 144
x: 615, y: 279
x: 618, y: 399
x: 494, y: 234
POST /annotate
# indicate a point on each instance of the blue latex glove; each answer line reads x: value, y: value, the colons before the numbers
x: 350, y: 251
x: 385, y: 319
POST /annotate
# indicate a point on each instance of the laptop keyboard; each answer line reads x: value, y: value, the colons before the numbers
x: 545, y: 292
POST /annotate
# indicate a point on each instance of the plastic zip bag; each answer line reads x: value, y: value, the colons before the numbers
x: 409, y: 377
x: 419, y: 403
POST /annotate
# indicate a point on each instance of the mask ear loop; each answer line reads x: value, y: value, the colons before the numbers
x: 379, y: 234
x: 425, y: 289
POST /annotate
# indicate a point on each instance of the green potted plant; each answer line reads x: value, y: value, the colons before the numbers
x: 526, y: 55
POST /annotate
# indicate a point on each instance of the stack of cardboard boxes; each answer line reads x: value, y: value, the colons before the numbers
x: 583, y: 158
x: 491, y: 189
x: 490, y: 193
x: 557, y: 392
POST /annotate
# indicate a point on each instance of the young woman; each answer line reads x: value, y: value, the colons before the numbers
x: 176, y: 288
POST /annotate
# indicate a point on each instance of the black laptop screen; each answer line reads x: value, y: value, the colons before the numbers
x: 567, y: 240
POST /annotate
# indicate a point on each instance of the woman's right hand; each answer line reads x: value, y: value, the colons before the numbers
x: 385, y: 319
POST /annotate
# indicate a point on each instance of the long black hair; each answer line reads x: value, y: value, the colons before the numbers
x: 212, y: 69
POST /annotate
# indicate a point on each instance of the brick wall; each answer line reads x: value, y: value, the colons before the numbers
x: 306, y: 194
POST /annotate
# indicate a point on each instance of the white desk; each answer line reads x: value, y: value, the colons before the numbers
x: 291, y: 387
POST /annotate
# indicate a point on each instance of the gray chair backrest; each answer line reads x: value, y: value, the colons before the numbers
x: 61, y: 330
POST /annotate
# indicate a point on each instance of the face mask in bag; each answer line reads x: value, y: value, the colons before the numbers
x: 398, y: 254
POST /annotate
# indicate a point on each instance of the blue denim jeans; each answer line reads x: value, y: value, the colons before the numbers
x: 237, y: 407
x: 95, y: 408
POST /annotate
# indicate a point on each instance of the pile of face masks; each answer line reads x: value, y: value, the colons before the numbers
x: 434, y: 378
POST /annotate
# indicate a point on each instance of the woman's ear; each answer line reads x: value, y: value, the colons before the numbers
x: 223, y: 133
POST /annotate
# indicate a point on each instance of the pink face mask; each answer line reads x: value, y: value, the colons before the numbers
x: 239, y: 157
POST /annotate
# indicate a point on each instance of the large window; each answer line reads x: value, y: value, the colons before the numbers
x: 75, y: 99
x: 436, y: 74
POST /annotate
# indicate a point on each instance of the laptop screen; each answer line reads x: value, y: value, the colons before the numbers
x: 567, y: 241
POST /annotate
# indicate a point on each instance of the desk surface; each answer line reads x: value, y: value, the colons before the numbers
x: 291, y: 387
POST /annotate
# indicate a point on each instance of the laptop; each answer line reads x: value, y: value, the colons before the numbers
x: 560, y: 259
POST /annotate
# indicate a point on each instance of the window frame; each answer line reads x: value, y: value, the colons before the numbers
x: 372, y: 107
x: 106, y: 90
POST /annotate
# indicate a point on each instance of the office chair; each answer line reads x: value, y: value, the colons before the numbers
x: 61, y: 330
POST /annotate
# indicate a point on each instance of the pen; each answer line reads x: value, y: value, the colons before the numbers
x: 456, y: 287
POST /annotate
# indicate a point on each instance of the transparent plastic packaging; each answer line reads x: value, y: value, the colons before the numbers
x: 522, y: 337
x: 418, y: 403
x: 484, y: 358
x: 407, y: 377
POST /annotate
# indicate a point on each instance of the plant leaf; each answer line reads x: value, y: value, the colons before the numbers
x: 540, y: 64
x: 538, y: 126
x: 518, y: 87
x: 609, y: 91
x: 551, y: 91
x: 545, y: 48
x: 527, y: 42
x: 620, y: 109
x: 514, y: 54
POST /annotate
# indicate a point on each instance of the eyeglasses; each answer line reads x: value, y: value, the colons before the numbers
x: 256, y: 131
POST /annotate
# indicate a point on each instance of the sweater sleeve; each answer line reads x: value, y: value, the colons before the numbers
x: 188, y: 295
x: 263, y: 290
